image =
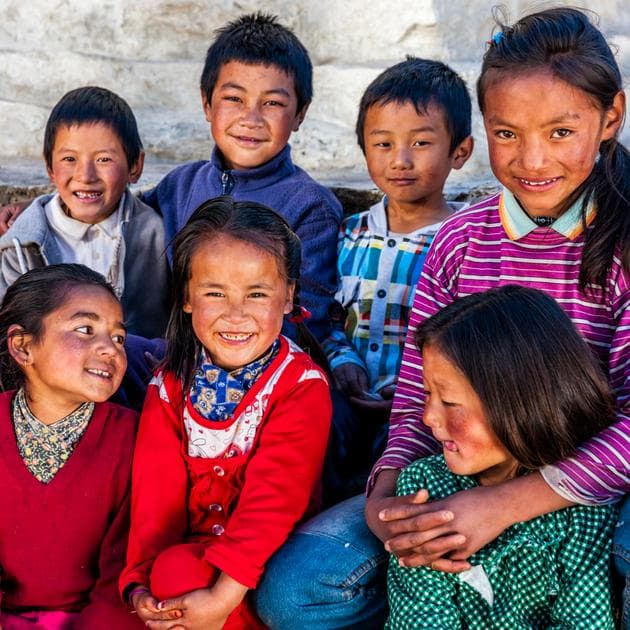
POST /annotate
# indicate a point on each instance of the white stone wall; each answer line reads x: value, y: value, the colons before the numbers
x: 151, y: 52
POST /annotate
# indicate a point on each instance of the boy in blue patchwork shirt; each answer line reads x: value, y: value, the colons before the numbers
x: 413, y: 128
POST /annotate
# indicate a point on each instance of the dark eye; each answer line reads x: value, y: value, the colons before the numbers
x: 561, y: 133
x: 119, y: 339
x: 505, y: 134
x: 85, y: 330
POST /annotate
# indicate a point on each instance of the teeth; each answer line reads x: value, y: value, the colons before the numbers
x: 236, y: 336
x: 87, y: 195
x: 99, y: 372
x: 539, y: 183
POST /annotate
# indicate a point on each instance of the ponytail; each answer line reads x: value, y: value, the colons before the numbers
x: 610, y: 234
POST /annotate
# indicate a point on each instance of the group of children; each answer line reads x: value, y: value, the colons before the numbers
x: 508, y: 408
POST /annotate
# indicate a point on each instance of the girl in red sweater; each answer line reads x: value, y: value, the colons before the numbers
x: 234, y: 429
x: 64, y: 453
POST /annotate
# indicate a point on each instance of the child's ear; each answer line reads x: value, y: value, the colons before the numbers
x: 288, y: 305
x: 51, y: 174
x: 462, y: 152
x: 207, y: 108
x: 299, y: 117
x: 136, y: 170
x: 613, y: 117
x: 19, y: 345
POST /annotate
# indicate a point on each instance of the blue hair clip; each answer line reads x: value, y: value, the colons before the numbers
x: 497, y: 37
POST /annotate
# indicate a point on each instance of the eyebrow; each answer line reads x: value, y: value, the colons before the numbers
x: 216, y: 285
x: 415, y: 130
x: 240, y: 88
x: 93, y: 317
x: 495, y: 120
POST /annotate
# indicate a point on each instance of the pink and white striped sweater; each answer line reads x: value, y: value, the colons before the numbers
x: 478, y: 249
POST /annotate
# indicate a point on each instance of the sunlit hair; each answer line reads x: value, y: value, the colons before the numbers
x: 565, y: 43
x: 246, y: 221
x: 542, y: 390
x: 90, y: 105
x: 420, y: 82
x: 259, y: 39
x: 30, y: 299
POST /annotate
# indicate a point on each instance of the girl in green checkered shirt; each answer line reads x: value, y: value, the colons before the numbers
x: 511, y: 386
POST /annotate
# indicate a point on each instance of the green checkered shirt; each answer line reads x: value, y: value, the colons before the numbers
x: 550, y: 572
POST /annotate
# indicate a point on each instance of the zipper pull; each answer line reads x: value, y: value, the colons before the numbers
x: 227, y: 183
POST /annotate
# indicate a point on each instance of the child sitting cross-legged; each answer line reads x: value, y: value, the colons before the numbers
x: 93, y: 151
x: 510, y: 387
x: 413, y: 128
x: 234, y: 429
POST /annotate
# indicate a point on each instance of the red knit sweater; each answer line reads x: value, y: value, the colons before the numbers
x: 175, y: 497
x: 62, y: 544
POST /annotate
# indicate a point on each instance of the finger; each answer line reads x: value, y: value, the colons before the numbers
x: 363, y: 383
x: 409, y: 506
x: 163, y: 625
x: 167, y: 605
x: 388, y: 392
x: 431, y: 525
x: 436, y: 542
x: 445, y: 565
x: 450, y: 566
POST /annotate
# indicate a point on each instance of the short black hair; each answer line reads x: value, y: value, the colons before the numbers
x: 258, y: 39
x: 89, y: 105
x: 421, y: 82
x: 541, y: 387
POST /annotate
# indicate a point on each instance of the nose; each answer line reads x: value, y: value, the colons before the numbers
x: 85, y: 171
x: 235, y: 311
x: 106, y: 346
x: 432, y: 415
x: 533, y: 154
x: 401, y: 158
x: 251, y: 115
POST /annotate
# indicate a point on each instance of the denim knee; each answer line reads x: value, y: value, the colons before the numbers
x: 329, y: 575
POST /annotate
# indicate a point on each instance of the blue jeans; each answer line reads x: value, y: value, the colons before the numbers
x: 621, y: 555
x: 329, y: 575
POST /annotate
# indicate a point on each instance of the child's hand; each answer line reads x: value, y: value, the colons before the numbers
x: 351, y: 379
x: 9, y: 213
x: 205, y: 608
x: 412, y: 528
x: 146, y: 606
x: 201, y: 610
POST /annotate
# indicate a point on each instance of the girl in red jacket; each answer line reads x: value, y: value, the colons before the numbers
x: 234, y: 429
x: 65, y: 455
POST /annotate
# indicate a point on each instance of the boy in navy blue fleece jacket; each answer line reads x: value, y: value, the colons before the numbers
x: 256, y: 86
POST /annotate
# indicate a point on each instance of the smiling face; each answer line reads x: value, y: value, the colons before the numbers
x: 543, y: 138
x: 89, y: 168
x: 252, y: 112
x: 408, y: 154
x: 237, y: 298
x: 79, y: 356
x: 457, y: 419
